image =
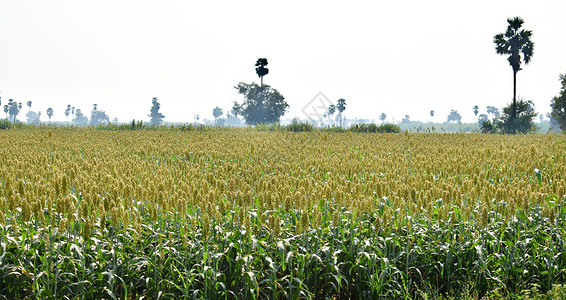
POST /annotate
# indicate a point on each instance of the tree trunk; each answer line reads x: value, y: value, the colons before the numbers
x: 514, y: 112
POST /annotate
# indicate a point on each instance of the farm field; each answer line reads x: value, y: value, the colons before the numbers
x: 239, y: 213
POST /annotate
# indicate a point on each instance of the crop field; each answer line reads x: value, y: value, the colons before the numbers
x: 245, y: 214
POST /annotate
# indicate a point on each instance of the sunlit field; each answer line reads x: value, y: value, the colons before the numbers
x: 237, y: 213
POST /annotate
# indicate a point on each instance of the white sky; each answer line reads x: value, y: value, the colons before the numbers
x: 397, y: 57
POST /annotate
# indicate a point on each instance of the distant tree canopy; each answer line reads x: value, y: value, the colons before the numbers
x: 98, y: 117
x: 454, y: 116
x: 482, y: 118
x: 33, y: 117
x: 13, y: 109
x: 50, y: 113
x: 523, y: 121
x: 261, y: 104
x: 558, y: 105
x: 341, y: 107
x: 260, y: 69
x: 331, y: 109
x: 155, y: 115
x: 217, y: 112
x: 492, y: 110
x: 80, y: 119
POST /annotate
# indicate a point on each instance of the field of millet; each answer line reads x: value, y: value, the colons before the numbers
x: 237, y: 213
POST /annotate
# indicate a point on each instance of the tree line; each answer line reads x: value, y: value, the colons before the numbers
x: 263, y: 104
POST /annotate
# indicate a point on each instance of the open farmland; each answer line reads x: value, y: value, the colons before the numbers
x: 278, y: 215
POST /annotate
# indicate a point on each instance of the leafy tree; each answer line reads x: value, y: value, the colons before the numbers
x: 515, y: 42
x: 33, y: 117
x: 261, y: 104
x: 97, y: 116
x: 50, y: 113
x: 80, y: 119
x: 554, y: 125
x: 6, y: 110
x: 155, y: 115
x: 494, y: 111
x: 523, y: 121
x: 406, y: 119
x: 454, y: 116
x: 382, y: 117
x: 260, y: 69
x: 482, y: 118
x: 216, y: 112
x: 488, y: 127
x: 558, y: 105
x: 341, y: 106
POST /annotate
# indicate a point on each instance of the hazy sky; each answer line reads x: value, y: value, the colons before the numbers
x: 397, y: 57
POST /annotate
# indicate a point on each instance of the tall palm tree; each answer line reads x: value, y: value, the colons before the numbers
x: 514, y: 42
x: 476, y: 110
x: 331, y: 111
x: 341, y: 106
x: 260, y: 69
x: 29, y: 106
x: 50, y: 113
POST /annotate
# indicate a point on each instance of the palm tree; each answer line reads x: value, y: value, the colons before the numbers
x: 514, y: 42
x: 50, y: 113
x: 341, y: 106
x: 216, y: 112
x: 431, y: 115
x: 20, y: 105
x: 476, y: 110
x: 260, y: 69
x: 67, y: 112
x: 331, y: 111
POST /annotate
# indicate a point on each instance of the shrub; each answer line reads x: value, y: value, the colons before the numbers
x: 487, y: 127
x: 372, y: 128
x: 389, y: 128
x: 299, y: 127
x: 5, y: 124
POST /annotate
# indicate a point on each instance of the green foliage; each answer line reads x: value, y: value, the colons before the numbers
x: 5, y: 124
x: 217, y: 112
x: 262, y: 104
x: 79, y: 120
x: 514, y: 42
x: 524, y: 120
x: 373, y: 128
x: 372, y: 255
x: 487, y: 127
x: 260, y: 69
x: 299, y: 127
x: 155, y: 115
x: 454, y: 116
x: 558, y: 105
x: 388, y: 128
